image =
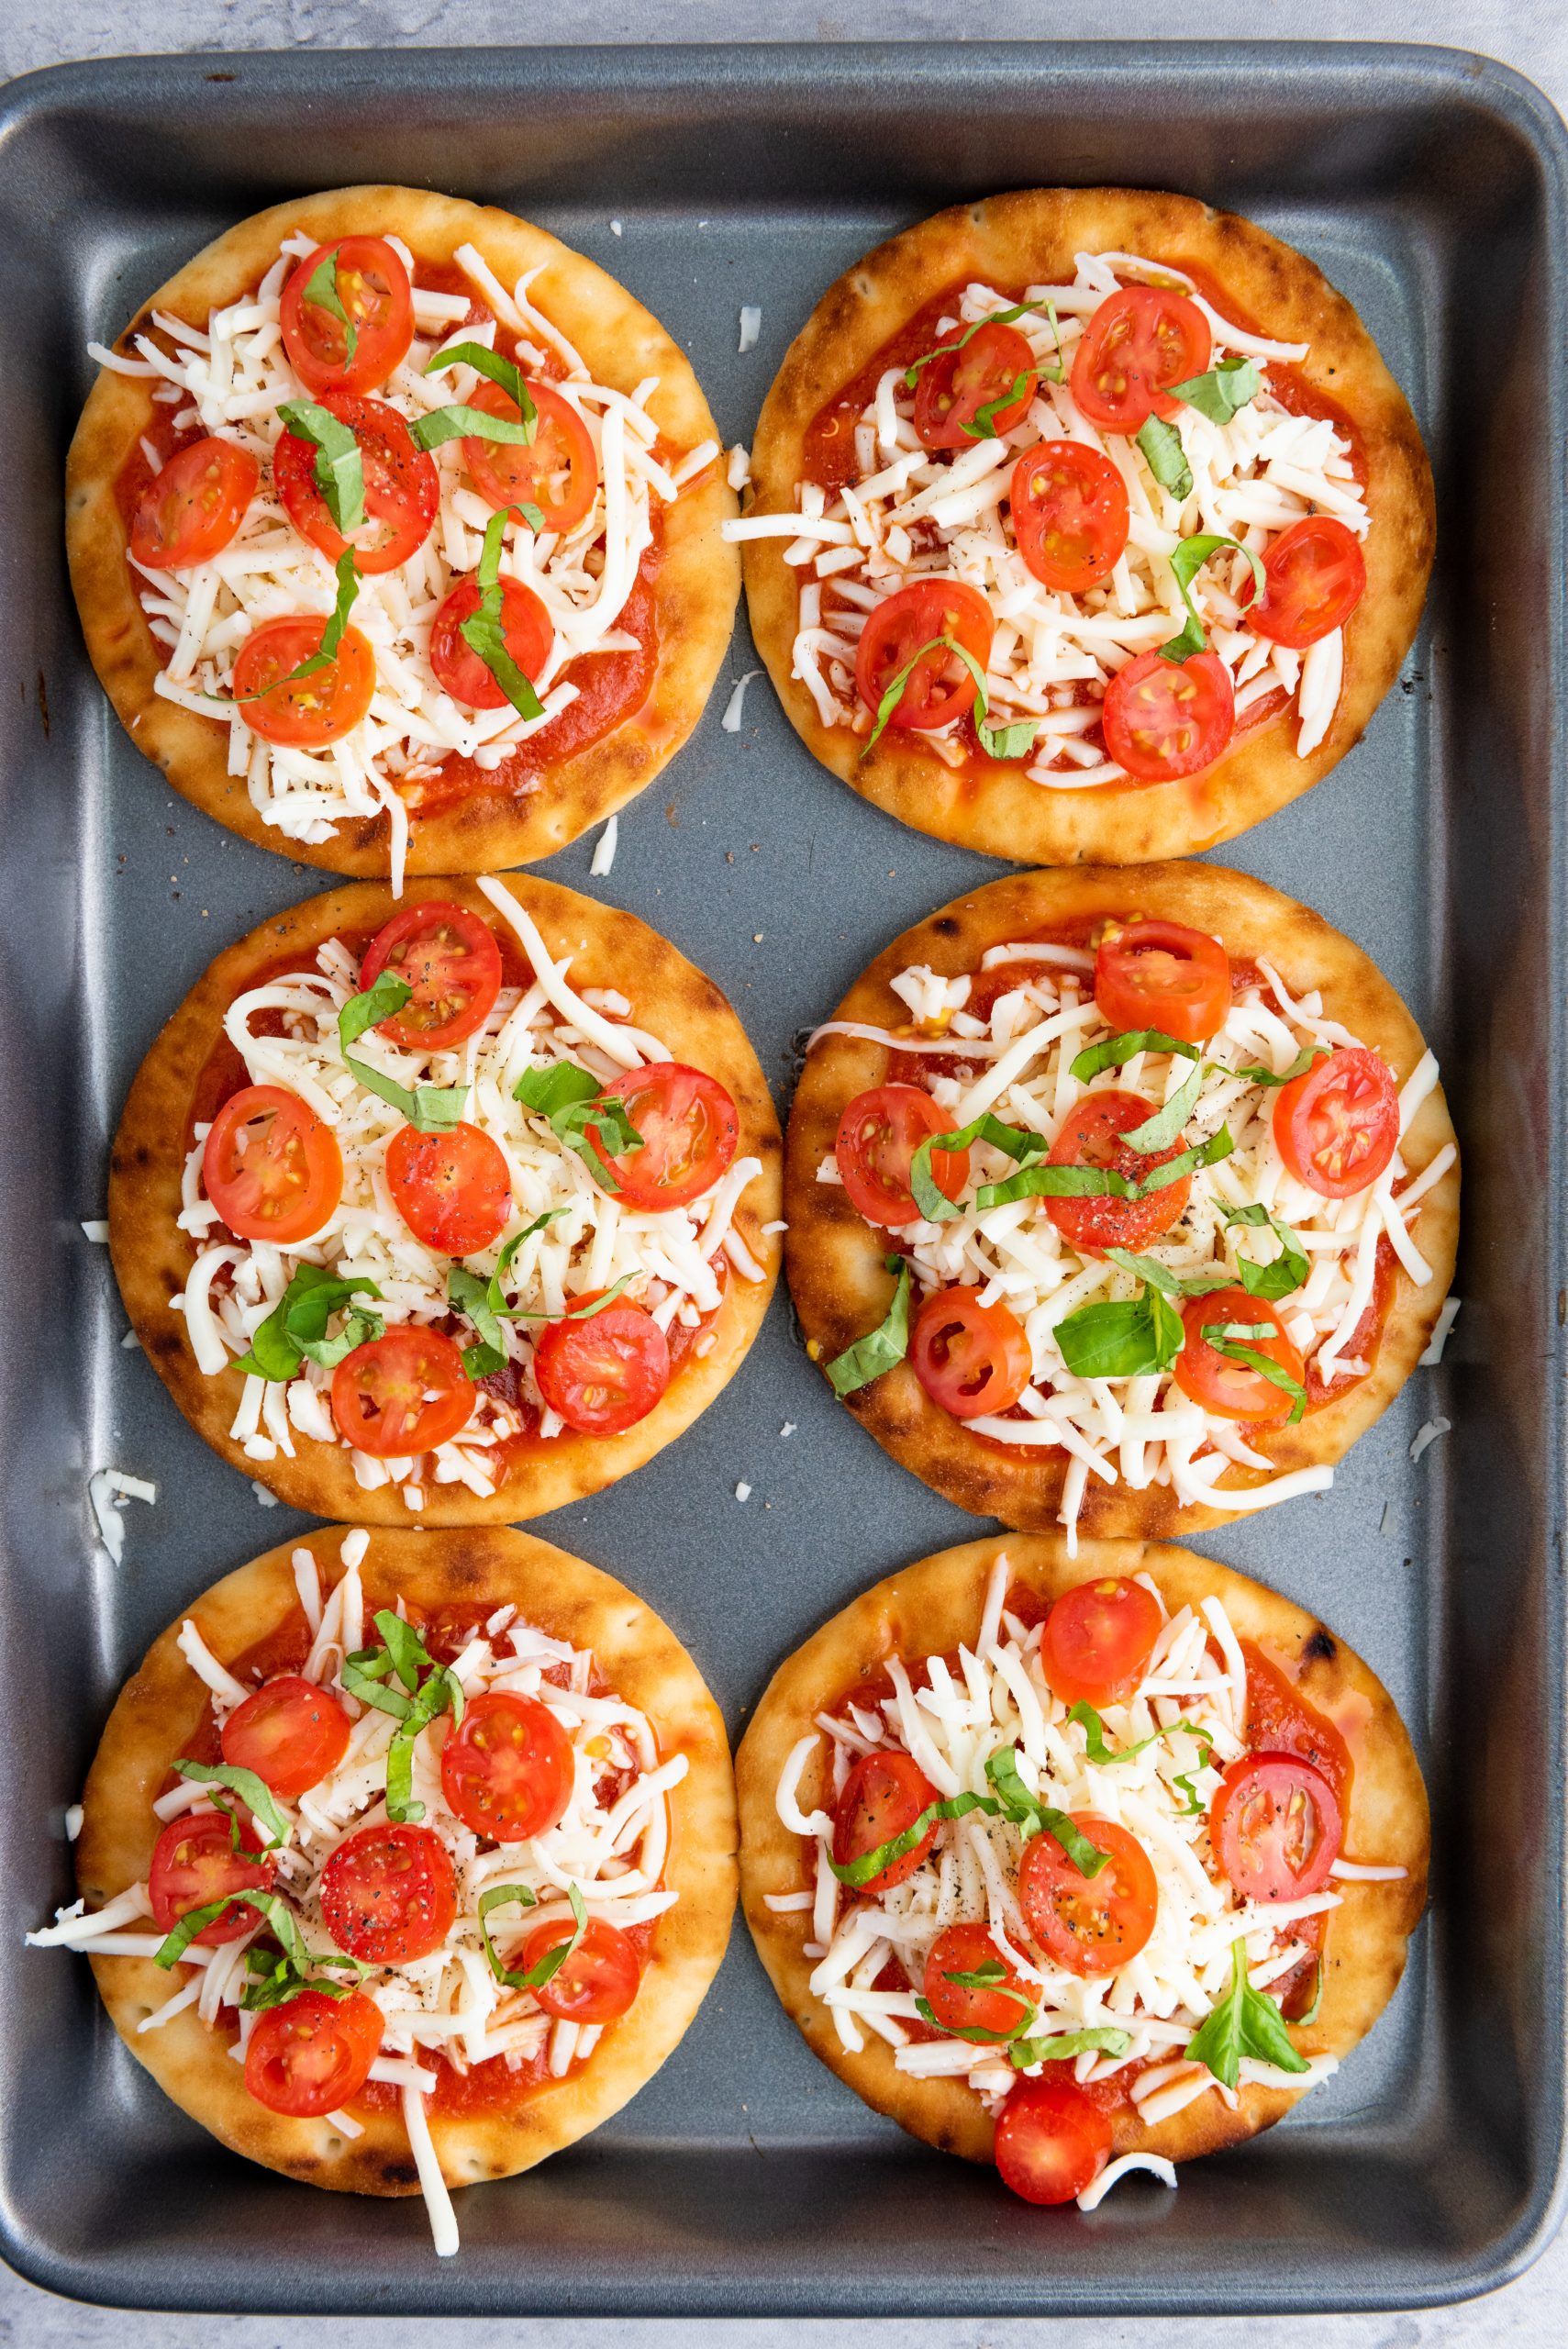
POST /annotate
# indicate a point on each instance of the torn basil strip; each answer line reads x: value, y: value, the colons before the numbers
x: 1127, y: 1046
x: 1013, y: 742
x: 575, y: 1105
x: 882, y: 1348
x: 1016, y: 1141
x: 430, y: 1109
x: 859, y: 1873
x: 1244, y: 2024
x: 1035, y: 1818
x: 1223, y: 392
x: 321, y: 290
x: 339, y: 467
x: 521, y: 1896
x: 1136, y: 1337
x: 995, y: 318
x: 984, y: 426
x: 1102, y: 1182
x: 1104, y: 1755
x: 252, y: 1792
x: 427, y: 1689
x: 440, y: 425
x: 1165, y: 456
x: 1227, y: 1337
x: 484, y: 631
x: 326, y: 653
x: 1158, y: 1132
x: 1289, y: 1270
x: 1298, y: 1067
x: 1185, y: 564
x: 1060, y: 2046
x: 975, y: 2032
x: 505, y: 372
x: 295, y: 1330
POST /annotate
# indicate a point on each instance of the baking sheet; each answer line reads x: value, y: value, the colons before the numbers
x: 745, y: 2178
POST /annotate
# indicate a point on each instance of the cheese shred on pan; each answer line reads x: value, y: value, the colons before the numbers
x: 1017, y: 1064
x: 230, y: 380
x: 610, y: 1844
x: 673, y: 1258
x: 909, y: 514
x: 998, y: 1701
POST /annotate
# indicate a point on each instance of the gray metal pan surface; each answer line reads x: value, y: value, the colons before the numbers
x: 1430, y: 186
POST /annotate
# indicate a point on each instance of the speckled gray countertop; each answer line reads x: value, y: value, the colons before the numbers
x: 1530, y: 35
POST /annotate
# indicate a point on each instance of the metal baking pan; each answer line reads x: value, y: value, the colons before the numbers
x: 1430, y: 186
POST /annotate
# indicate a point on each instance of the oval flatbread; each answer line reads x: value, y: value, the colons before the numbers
x: 950, y: 1601
x: 577, y: 1242
x: 1255, y: 473
x: 1368, y: 1296
x: 502, y: 808
x: 165, y: 1708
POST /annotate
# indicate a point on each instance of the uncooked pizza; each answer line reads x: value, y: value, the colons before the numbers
x: 447, y: 1210
x: 1080, y: 1866
x: 1087, y: 525
x: 394, y: 529
x: 1120, y: 1200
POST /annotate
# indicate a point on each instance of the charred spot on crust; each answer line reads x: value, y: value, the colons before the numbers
x: 945, y: 926
x: 1319, y: 1647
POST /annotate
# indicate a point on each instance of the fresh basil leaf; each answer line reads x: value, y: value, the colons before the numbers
x: 995, y: 318
x: 1223, y: 391
x: 881, y: 1349
x: 1312, y: 2012
x: 1016, y: 1142
x: 1026, y: 1810
x: 430, y: 1109
x: 276, y: 1978
x: 348, y: 573
x: 364, y: 1675
x: 573, y: 1101
x: 575, y: 1312
x: 1298, y: 1067
x: 1289, y: 1269
x: 1145, y: 1269
x: 403, y: 1653
x: 439, y: 425
x: 404, y: 1645
x: 984, y: 426
x: 1133, y: 1338
x: 1206, y: 1154
x: 859, y: 1873
x: 1101, y: 1182
x: 1185, y: 564
x: 1061, y: 2046
x: 296, y: 1327
x: 485, y: 632
x: 500, y: 1895
x: 340, y: 466
x: 556, y: 1087
x: 1058, y: 373
x: 469, y: 1294
x: 1104, y: 1755
x: 927, y: 2012
x: 1244, y: 2024
x: 322, y: 291
x: 368, y: 1008
x: 998, y: 741
x: 1126, y: 1047
x: 503, y: 1262
x: 1225, y: 1338
x: 196, y: 1921
x: 1165, y: 456
x: 490, y: 363
x: 1164, y: 1126
x: 979, y: 1977
x: 252, y: 1791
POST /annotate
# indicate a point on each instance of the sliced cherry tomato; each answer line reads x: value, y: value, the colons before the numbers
x: 452, y: 1189
x: 402, y: 1394
x: 403, y: 488
x: 972, y: 1359
x: 1070, y: 514
x: 597, y: 1983
x: 877, y: 1138
x: 1159, y: 975
x: 884, y: 1796
x: 557, y: 470
x: 1090, y: 1136
x: 527, y: 631
x: 1314, y: 577
x: 1098, y: 1640
x: 389, y: 1894
x: 1234, y: 1390
x: 1138, y: 342
x: 939, y: 687
x: 508, y: 1771
x: 1052, y: 2142
x: 689, y: 1126
x: 309, y: 2055
x: 967, y: 2006
x: 1164, y: 718
x: 602, y: 1375
x: 314, y: 710
x: 373, y: 288
x: 190, y: 510
x: 1090, y: 1924
x: 976, y: 369
x: 1337, y: 1124
x: 449, y: 958
x: 195, y: 1863
x: 1275, y: 1827
x: 291, y: 1733
x: 271, y: 1167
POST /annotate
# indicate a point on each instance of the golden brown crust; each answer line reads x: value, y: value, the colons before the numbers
x: 835, y: 1260
x: 152, y: 1257
x: 695, y: 592
x: 1030, y: 238
x: 160, y: 1709
x: 933, y: 1606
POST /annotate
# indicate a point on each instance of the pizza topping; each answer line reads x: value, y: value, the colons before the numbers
x: 552, y: 1176
x: 1053, y: 460
x: 500, y: 1922
x: 1182, y: 1198
x: 878, y: 1136
x: 348, y: 418
x: 291, y: 1733
x: 1079, y: 1896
